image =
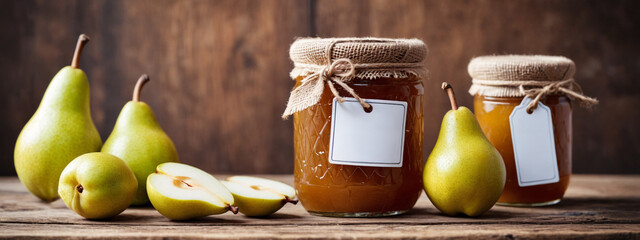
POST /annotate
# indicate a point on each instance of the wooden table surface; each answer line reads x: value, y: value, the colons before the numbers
x: 595, y: 206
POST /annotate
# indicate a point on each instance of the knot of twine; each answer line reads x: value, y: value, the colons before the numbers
x: 567, y: 87
x: 339, y: 72
x: 538, y: 90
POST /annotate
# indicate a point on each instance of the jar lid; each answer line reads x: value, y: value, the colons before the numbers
x: 501, y: 76
x: 535, y: 76
x: 335, y: 61
x: 372, y: 57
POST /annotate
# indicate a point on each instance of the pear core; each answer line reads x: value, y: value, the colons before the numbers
x: 184, y: 182
x: 181, y: 182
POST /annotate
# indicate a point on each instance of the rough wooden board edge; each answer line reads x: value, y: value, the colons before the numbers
x: 491, y: 231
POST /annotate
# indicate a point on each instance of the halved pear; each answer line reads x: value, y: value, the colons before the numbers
x: 259, y: 197
x: 180, y: 192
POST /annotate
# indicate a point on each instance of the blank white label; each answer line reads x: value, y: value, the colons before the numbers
x: 367, y: 139
x: 534, y: 147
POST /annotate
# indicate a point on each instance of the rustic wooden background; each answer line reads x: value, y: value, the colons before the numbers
x: 219, y: 69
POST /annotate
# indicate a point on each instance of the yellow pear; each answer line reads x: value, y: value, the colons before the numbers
x: 464, y: 173
x: 138, y: 139
x: 58, y: 132
x: 97, y: 185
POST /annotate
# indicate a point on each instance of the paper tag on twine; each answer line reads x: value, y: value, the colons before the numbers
x: 373, y: 139
x: 534, y: 147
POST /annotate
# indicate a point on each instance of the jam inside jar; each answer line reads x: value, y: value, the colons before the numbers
x: 493, y: 115
x: 358, y: 191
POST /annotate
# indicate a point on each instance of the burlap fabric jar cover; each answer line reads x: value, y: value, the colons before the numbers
x: 535, y: 76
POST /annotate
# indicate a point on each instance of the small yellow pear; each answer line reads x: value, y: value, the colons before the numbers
x: 97, y: 185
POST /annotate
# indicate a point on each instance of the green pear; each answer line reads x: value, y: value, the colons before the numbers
x: 181, y: 192
x: 59, y: 131
x: 259, y: 197
x: 138, y: 139
x: 97, y: 185
x: 464, y: 174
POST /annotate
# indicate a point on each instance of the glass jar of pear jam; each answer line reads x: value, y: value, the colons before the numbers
x: 357, y: 191
x: 500, y: 83
x: 493, y: 115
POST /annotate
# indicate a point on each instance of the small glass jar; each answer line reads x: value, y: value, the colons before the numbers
x: 493, y: 115
x: 500, y: 83
x: 370, y: 69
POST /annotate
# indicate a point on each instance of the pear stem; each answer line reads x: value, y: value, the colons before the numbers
x: 290, y: 200
x: 136, y: 91
x: 233, y: 209
x: 452, y: 98
x: 82, y: 40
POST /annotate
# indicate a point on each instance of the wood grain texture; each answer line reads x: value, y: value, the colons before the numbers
x: 595, y: 206
x: 601, y: 38
x: 219, y: 69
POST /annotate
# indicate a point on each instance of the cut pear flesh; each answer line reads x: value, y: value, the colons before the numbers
x: 262, y: 188
x: 187, y: 190
x: 183, y: 182
x: 259, y: 197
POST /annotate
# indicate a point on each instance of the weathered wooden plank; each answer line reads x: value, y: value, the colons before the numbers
x: 594, y: 206
x: 368, y: 231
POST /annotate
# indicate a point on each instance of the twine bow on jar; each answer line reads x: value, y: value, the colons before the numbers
x: 311, y: 88
x: 337, y: 61
x: 567, y: 87
x: 533, y: 76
